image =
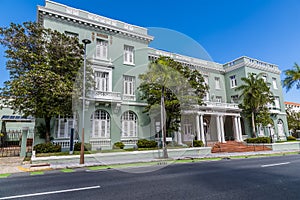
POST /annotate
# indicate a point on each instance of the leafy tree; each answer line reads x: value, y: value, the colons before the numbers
x: 256, y: 95
x: 292, y: 78
x: 293, y: 119
x: 173, y: 86
x: 43, y: 65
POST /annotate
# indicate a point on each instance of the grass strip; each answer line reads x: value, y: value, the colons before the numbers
x: 36, y: 173
x: 67, y: 170
x: 5, y: 175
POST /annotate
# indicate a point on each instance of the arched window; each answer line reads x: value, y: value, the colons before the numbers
x: 101, y: 124
x: 129, y: 124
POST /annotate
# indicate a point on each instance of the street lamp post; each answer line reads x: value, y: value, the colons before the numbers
x: 85, y: 42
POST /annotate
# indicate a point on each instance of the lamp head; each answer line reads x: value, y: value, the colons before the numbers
x: 86, y: 41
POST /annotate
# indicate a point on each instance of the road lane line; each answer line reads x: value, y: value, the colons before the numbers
x: 276, y: 164
x: 51, y: 192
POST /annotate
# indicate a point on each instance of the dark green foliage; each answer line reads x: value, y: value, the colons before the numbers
x: 198, y: 143
x: 293, y: 119
x: 256, y: 96
x: 258, y: 140
x: 292, y: 78
x: 119, y: 145
x: 87, y: 146
x: 43, y: 65
x: 47, y: 148
x: 290, y: 138
x: 143, y: 143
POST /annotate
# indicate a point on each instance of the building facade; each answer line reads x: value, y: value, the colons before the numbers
x: 118, y: 53
x: 292, y: 106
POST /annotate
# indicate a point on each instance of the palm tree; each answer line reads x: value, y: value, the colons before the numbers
x: 256, y: 96
x: 292, y: 77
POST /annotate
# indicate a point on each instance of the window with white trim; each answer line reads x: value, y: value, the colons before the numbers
x: 71, y: 34
x: 274, y: 82
x: 129, y: 82
x: 264, y: 77
x: 63, y: 127
x: 129, y: 124
x: 128, y: 54
x: 217, y: 83
x: 102, y: 81
x: 218, y: 99
x: 102, y: 49
x: 101, y: 124
x: 233, y: 81
x: 234, y: 98
x: 276, y: 102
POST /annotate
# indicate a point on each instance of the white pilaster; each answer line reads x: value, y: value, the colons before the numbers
x: 197, y: 127
x: 179, y: 137
x: 218, y: 128
x: 202, y: 129
x: 222, y: 129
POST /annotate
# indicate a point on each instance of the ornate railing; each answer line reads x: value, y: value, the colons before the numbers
x: 221, y: 105
x: 107, y: 95
x: 129, y: 141
x: 127, y: 97
x: 63, y: 143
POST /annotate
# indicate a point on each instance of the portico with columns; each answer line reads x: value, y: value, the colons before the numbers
x: 210, y: 126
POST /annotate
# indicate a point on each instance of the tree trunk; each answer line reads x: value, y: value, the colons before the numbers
x: 163, y: 123
x: 253, y: 125
x: 47, y: 123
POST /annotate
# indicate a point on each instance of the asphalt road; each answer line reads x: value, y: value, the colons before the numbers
x: 255, y: 178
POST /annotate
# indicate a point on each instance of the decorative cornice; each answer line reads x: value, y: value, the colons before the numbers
x: 91, y: 24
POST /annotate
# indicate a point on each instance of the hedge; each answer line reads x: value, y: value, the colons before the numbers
x: 198, y: 143
x: 87, y: 146
x: 258, y: 140
x: 118, y: 145
x: 143, y: 143
x: 47, y: 148
x: 291, y: 138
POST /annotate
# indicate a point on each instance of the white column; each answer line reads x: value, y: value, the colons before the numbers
x: 240, y: 128
x: 218, y: 128
x: 236, y: 129
x: 197, y: 127
x: 222, y: 129
x: 179, y: 137
x: 202, y: 129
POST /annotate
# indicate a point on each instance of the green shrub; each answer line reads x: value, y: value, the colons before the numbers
x: 47, y: 148
x: 258, y: 140
x: 87, y: 146
x: 119, y: 145
x: 289, y: 138
x: 198, y: 143
x: 143, y: 143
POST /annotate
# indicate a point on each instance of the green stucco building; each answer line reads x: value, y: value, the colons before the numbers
x: 118, y: 53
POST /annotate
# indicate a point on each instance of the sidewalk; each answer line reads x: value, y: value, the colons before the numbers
x: 15, y: 165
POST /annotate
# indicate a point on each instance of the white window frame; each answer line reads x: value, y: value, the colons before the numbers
x: 128, y: 55
x: 129, y: 125
x: 233, y: 81
x: 265, y: 78
x: 100, y: 124
x: 101, y: 49
x: 234, y: 98
x: 128, y: 85
x: 219, y: 99
x: 206, y: 96
x: 72, y: 34
x: 277, y: 102
x: 274, y: 82
x: 63, y: 127
x: 217, y: 83
x: 102, y: 79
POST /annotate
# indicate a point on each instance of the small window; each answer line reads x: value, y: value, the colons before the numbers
x: 217, y: 83
x: 234, y: 99
x: 71, y: 34
x: 129, y: 85
x: 218, y: 99
x: 102, y: 49
x: 274, y: 82
x: 128, y: 55
x: 102, y: 81
x: 264, y: 77
x: 277, y: 102
x: 233, y: 82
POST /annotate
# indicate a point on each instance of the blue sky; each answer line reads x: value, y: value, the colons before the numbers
x: 264, y: 29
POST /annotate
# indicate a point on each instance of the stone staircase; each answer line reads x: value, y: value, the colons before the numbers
x: 233, y: 146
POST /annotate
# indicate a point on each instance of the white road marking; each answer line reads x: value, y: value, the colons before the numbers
x: 276, y: 164
x: 51, y: 192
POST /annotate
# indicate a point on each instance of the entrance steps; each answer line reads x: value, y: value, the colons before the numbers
x: 233, y: 146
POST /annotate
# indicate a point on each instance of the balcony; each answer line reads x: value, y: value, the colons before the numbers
x: 219, y: 105
x: 274, y: 110
x: 105, y: 95
x: 127, y: 97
